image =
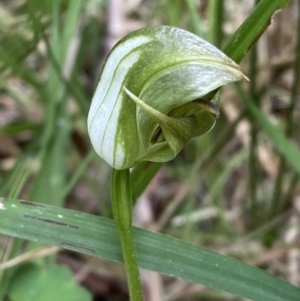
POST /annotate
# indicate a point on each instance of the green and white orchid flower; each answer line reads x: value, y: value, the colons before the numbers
x: 149, y: 100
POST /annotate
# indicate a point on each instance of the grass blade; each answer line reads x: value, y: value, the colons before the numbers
x: 248, y: 33
x: 282, y: 144
x: 98, y: 236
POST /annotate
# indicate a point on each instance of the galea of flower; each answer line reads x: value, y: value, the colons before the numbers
x: 149, y: 100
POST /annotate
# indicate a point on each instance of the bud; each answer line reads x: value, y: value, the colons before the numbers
x: 149, y: 100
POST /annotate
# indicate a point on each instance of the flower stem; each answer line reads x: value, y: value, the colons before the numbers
x: 121, y: 193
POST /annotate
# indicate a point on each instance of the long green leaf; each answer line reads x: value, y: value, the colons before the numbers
x: 252, y: 28
x: 98, y: 236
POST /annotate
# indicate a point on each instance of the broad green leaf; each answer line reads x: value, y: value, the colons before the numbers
x: 98, y: 236
x: 32, y: 282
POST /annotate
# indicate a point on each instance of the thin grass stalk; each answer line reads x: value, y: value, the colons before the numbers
x: 71, y: 85
x: 251, y: 29
x: 18, y: 69
x: 7, y: 275
x: 221, y: 140
x: 295, y: 86
x: 52, y: 105
x: 78, y: 173
x: 282, y: 144
x: 277, y: 190
x: 253, y: 137
x: 14, y: 175
x: 195, y: 17
x: 290, y: 191
x: 278, y: 201
x: 216, y: 16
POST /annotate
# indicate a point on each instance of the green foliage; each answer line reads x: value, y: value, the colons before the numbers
x: 33, y: 283
x: 50, y: 56
x: 98, y: 236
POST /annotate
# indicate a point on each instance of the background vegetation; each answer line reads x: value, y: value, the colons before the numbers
x: 235, y: 190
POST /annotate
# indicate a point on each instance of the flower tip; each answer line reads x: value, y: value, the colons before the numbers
x: 245, y: 78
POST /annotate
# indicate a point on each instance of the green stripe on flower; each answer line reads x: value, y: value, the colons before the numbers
x: 148, y: 102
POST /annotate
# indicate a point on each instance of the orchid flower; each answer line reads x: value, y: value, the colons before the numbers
x: 150, y: 99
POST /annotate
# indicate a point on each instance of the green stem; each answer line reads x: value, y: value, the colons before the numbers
x: 121, y: 193
x: 277, y: 204
x: 216, y: 16
x: 195, y: 17
x: 253, y: 170
x: 290, y: 191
